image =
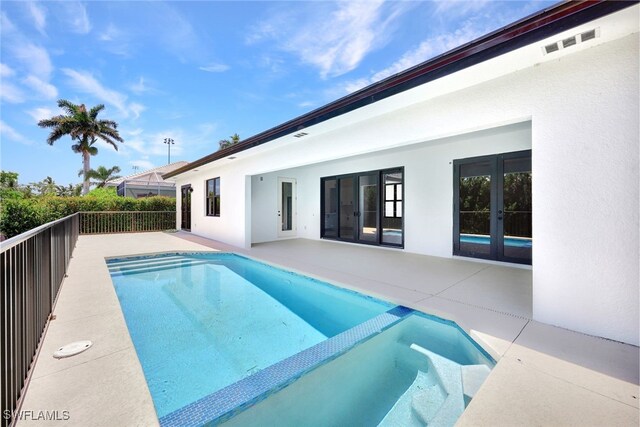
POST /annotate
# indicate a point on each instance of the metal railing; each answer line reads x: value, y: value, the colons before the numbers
x: 105, y: 222
x: 32, y: 268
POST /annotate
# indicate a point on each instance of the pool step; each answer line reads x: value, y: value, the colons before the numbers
x: 151, y: 267
x: 417, y: 405
x: 435, y: 398
x: 146, y: 261
x: 472, y: 378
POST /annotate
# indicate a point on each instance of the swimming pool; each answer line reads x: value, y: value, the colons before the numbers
x: 218, y: 333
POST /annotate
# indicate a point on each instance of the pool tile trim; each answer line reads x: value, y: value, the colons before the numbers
x: 233, y: 399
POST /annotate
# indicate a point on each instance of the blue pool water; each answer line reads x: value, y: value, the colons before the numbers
x: 421, y: 371
x: 485, y: 240
x: 200, y: 322
x: 223, y: 339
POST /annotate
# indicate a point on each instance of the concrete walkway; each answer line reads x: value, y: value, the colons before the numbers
x: 545, y: 375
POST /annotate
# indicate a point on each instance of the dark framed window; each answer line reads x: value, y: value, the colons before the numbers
x: 213, y: 197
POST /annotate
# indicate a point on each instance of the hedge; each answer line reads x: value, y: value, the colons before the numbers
x: 20, y: 215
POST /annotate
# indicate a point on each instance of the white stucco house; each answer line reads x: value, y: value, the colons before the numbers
x: 520, y: 147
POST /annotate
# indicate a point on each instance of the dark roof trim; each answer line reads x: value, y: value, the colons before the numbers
x: 531, y: 29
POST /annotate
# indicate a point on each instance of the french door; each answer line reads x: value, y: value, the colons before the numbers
x: 492, y: 207
x: 185, y: 212
x: 363, y: 207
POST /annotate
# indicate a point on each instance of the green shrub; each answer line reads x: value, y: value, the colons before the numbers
x: 20, y: 215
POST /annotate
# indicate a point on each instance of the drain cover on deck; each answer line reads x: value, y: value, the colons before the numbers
x: 72, y: 349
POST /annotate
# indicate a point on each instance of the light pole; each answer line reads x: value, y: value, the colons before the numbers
x: 169, y: 142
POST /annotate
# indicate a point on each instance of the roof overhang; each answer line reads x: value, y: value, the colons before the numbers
x: 529, y: 30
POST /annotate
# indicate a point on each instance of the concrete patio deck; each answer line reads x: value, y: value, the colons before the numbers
x: 545, y: 375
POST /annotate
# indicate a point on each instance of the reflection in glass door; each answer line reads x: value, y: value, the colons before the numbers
x: 347, y: 209
x: 185, y: 204
x: 515, y: 224
x: 286, y: 207
x: 492, y: 207
x: 368, y: 208
x: 475, y: 208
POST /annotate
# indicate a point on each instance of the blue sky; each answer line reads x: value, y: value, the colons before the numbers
x: 200, y: 71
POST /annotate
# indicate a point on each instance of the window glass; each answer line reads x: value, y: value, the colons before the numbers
x: 213, y: 197
x: 392, y: 222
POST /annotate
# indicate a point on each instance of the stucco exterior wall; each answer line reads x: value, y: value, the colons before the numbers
x: 583, y: 111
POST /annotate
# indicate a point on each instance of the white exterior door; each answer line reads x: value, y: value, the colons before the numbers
x: 287, y: 207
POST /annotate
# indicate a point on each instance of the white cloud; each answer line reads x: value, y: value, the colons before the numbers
x: 175, y: 33
x: 136, y: 109
x: 6, y: 71
x: 306, y: 104
x: 38, y: 15
x: 424, y: 51
x: 34, y: 58
x: 86, y: 83
x: 46, y: 90
x: 6, y: 26
x: 11, y: 93
x: 140, y: 87
x: 335, y: 41
x: 116, y: 41
x: 8, y: 132
x: 215, y: 68
x: 110, y: 34
x: 77, y: 17
x: 460, y: 7
x: 40, y: 113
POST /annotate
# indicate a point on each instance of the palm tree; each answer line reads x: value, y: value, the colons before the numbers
x: 234, y: 139
x: 84, y: 129
x: 102, y: 175
x: 46, y: 187
x: 69, y: 190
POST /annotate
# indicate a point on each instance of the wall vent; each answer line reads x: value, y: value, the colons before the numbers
x: 300, y: 135
x: 571, y: 41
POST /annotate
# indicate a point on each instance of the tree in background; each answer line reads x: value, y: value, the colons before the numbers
x: 85, y: 129
x: 102, y: 175
x: 233, y: 140
x: 70, y: 190
x: 46, y: 187
x: 9, y: 186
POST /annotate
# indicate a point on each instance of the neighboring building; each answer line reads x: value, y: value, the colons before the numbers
x: 147, y: 183
x: 521, y: 145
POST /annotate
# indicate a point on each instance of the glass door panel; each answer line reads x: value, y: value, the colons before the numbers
x: 185, y: 211
x: 330, y: 208
x: 475, y: 208
x: 517, y: 209
x: 286, y: 203
x: 392, y: 208
x: 347, y: 208
x: 286, y: 207
x: 368, y: 208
